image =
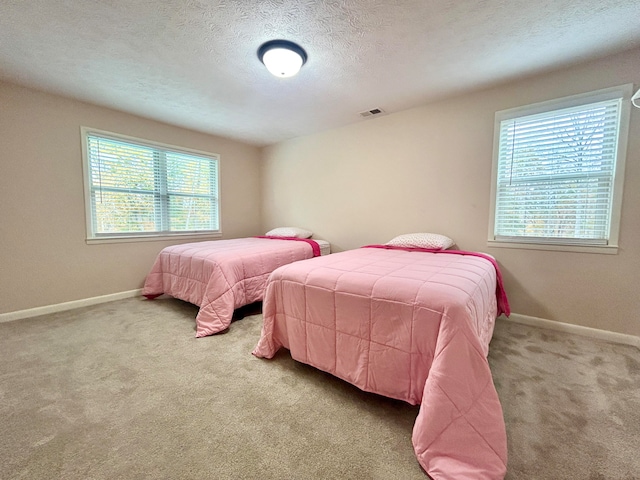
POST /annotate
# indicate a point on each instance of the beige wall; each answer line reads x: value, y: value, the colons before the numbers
x: 429, y: 169
x: 44, y: 259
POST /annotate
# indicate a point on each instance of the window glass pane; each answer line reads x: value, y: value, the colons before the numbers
x: 122, y: 212
x: 569, y: 208
x: 119, y: 165
x: 560, y: 143
x: 189, y: 174
x: 190, y: 213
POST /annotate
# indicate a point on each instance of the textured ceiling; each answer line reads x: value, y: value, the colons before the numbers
x: 193, y: 63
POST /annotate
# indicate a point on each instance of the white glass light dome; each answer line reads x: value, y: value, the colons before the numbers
x: 282, y: 58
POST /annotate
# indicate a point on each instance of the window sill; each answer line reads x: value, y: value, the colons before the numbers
x: 154, y: 238
x: 602, y: 249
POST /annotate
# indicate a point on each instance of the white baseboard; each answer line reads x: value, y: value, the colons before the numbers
x: 61, y: 307
x: 575, y: 329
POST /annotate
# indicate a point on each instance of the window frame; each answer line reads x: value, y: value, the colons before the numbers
x: 93, y: 237
x: 622, y: 92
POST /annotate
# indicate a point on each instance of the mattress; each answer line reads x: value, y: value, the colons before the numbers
x: 325, y: 247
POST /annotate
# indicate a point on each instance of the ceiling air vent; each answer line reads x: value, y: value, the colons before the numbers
x: 372, y: 113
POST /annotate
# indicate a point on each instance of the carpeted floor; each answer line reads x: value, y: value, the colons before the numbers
x: 124, y: 390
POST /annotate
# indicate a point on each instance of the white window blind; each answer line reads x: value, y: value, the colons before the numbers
x: 556, y: 173
x: 141, y: 188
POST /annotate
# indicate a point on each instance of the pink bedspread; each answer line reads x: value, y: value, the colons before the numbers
x: 409, y: 325
x: 222, y: 275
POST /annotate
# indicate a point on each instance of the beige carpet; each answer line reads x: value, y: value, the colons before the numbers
x: 124, y: 390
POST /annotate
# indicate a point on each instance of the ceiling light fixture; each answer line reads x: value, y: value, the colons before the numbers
x: 282, y: 57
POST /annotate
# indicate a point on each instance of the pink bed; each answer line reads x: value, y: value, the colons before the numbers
x: 222, y: 275
x: 409, y: 324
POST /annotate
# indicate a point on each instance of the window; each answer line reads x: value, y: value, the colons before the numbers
x: 557, y: 172
x: 136, y: 188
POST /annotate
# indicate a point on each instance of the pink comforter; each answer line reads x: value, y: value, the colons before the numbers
x: 222, y: 275
x: 409, y: 325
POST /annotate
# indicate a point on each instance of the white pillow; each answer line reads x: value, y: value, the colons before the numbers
x: 431, y: 241
x: 289, y: 232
